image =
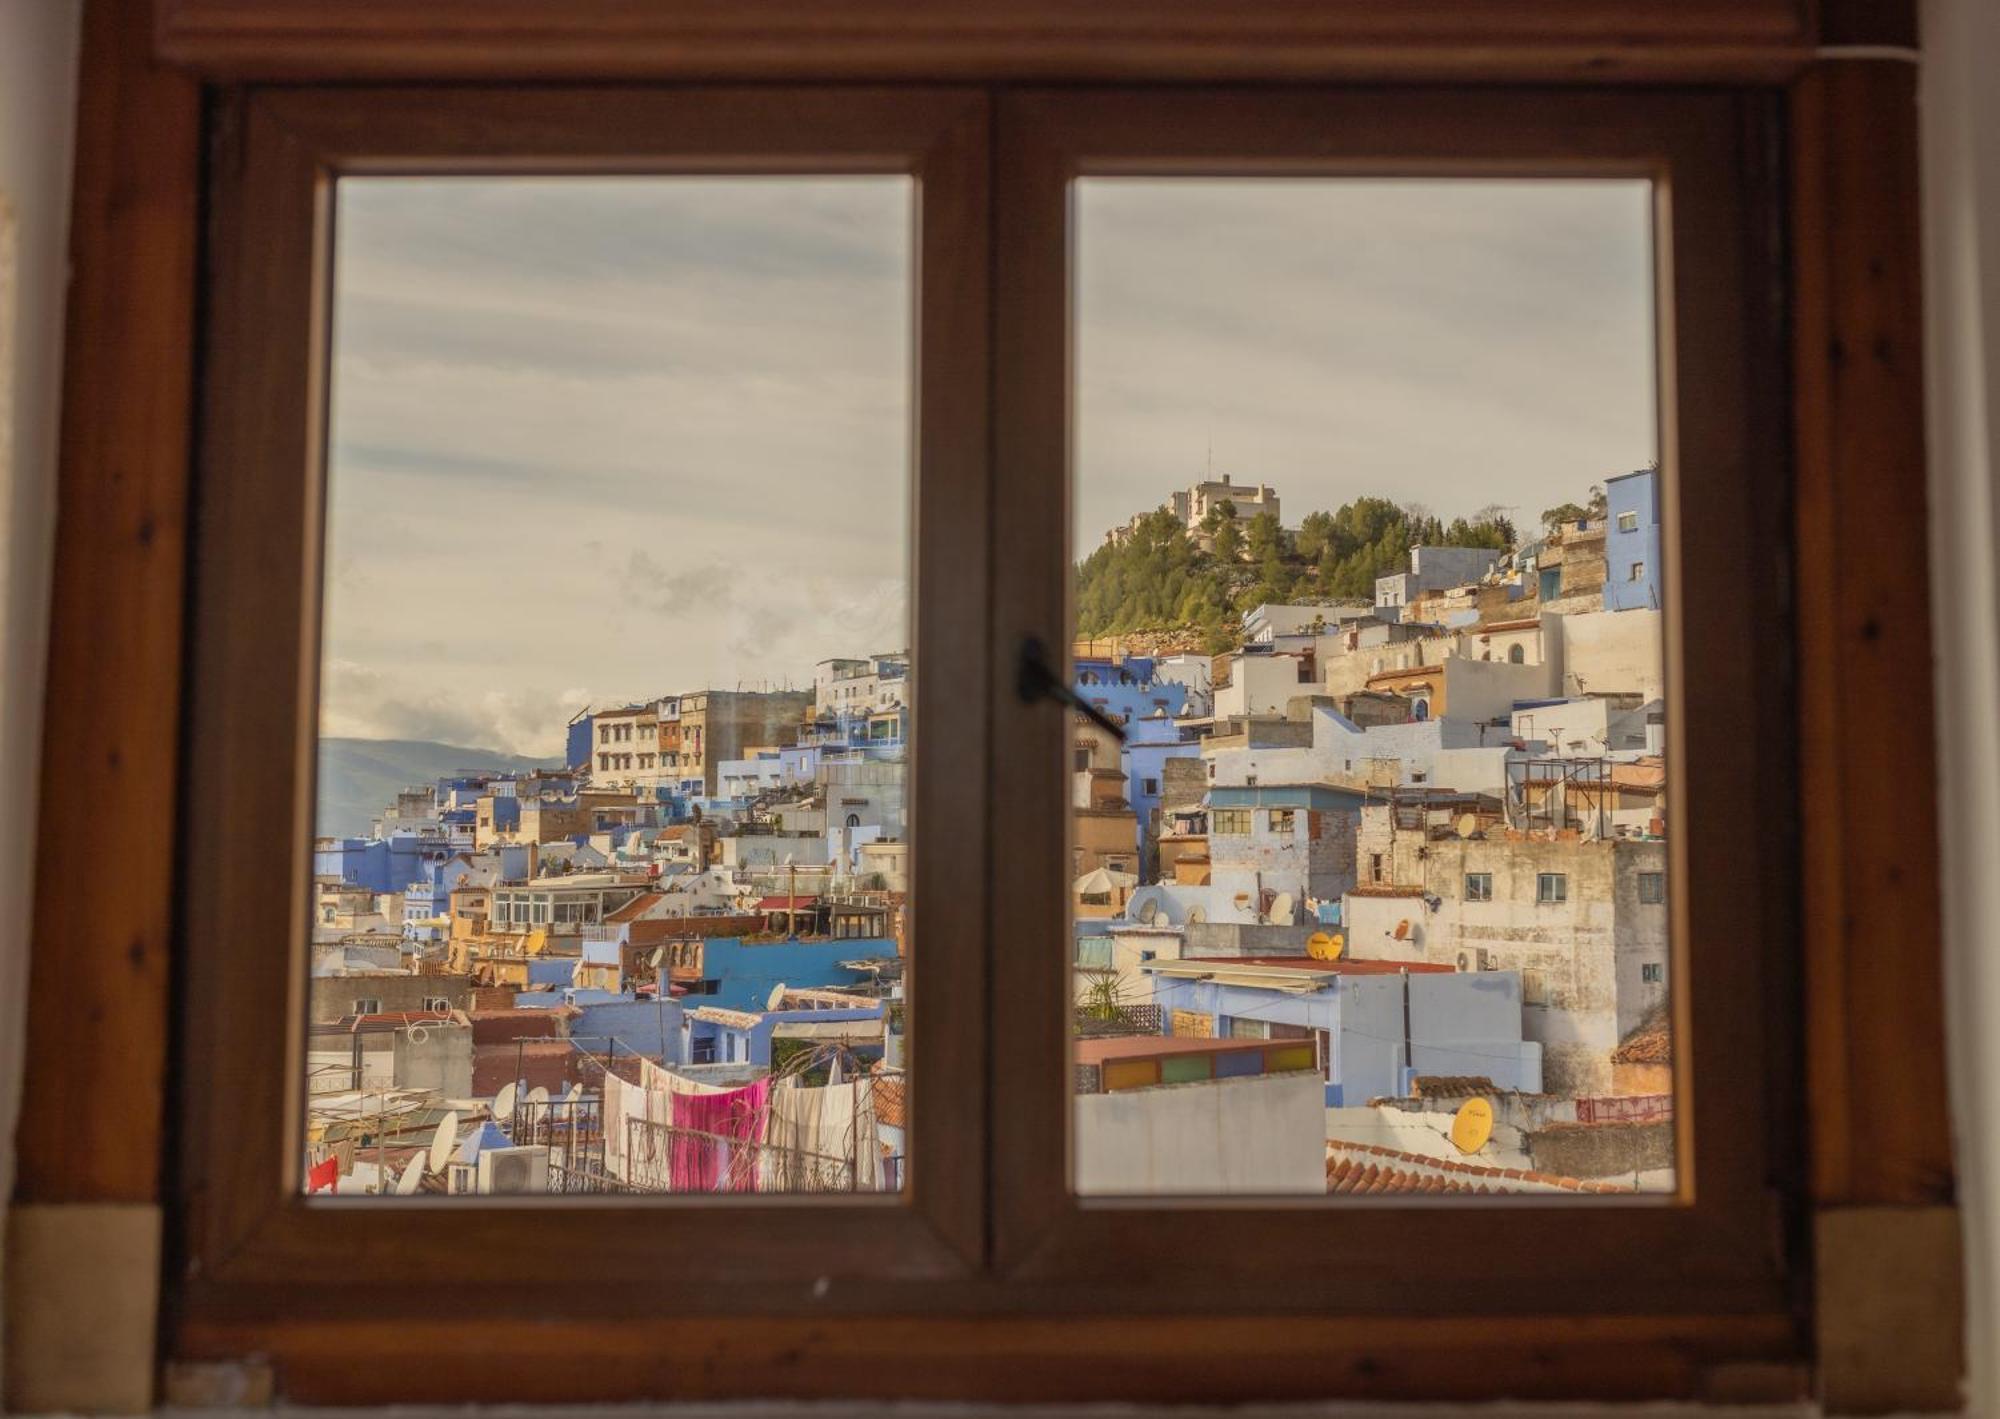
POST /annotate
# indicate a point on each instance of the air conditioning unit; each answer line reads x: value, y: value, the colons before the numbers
x: 509, y: 1171
x: 1475, y: 960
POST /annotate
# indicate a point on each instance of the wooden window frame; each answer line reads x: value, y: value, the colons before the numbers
x: 253, y: 706
x: 1718, y: 1246
x: 1874, y: 1227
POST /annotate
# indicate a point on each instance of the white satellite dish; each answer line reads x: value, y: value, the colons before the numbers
x: 575, y: 1093
x: 503, y: 1102
x: 1281, y: 908
x: 1196, y: 916
x: 659, y: 954
x: 538, y: 1096
x: 442, y: 1141
x: 777, y: 994
x: 412, y: 1178
x: 1147, y: 913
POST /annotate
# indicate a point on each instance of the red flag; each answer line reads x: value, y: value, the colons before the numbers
x: 324, y: 1175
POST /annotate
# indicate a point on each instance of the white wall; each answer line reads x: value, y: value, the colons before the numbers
x: 1265, y: 1134
x: 38, y: 41
x: 1961, y: 167
x: 1613, y: 652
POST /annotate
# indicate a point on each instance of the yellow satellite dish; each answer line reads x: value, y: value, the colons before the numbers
x: 1325, y: 946
x: 1472, y: 1125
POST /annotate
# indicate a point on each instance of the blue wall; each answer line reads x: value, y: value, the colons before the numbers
x: 648, y: 1027
x: 1149, y: 743
x: 375, y: 864
x: 745, y: 973
x: 577, y: 755
x: 751, y: 1044
x: 1637, y: 494
x: 1457, y: 1021
x: 1127, y: 690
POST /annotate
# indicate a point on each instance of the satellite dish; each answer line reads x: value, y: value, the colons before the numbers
x: 1281, y: 908
x: 1468, y: 824
x: 503, y: 1102
x: 1196, y: 916
x: 538, y: 1096
x: 1325, y: 945
x: 442, y: 1141
x: 575, y: 1093
x: 659, y: 954
x: 1402, y: 931
x: 1472, y: 1125
x: 1147, y: 913
x: 777, y: 994
x: 412, y: 1178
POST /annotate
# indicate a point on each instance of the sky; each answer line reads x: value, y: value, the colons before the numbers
x: 599, y: 439
x: 1454, y: 343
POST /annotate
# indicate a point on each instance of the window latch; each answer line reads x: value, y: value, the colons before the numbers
x: 1036, y: 681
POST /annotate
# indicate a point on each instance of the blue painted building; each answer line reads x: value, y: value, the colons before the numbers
x: 1632, y: 579
x: 378, y: 864
x: 740, y: 975
x: 718, y: 1036
x: 1126, y: 688
x: 1149, y: 743
x: 649, y: 1027
x: 1375, y: 1025
x: 576, y: 746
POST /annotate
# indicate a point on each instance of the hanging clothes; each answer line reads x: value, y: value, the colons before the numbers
x: 325, y: 1174
x: 823, y: 1139
x: 665, y: 1081
x: 622, y: 1103
x: 715, y: 1139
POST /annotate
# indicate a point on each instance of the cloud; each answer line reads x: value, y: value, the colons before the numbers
x: 600, y: 439
x: 367, y: 702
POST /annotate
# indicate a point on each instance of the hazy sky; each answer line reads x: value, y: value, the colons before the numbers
x: 1452, y: 343
x: 596, y: 439
x: 599, y: 439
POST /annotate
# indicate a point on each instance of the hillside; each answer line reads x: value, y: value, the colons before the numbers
x: 360, y: 777
x: 1160, y: 577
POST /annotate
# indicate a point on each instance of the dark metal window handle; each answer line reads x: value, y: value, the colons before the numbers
x: 1037, y: 680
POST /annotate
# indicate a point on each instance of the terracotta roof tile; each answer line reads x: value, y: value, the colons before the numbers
x: 1369, y: 1168
x: 1651, y: 1041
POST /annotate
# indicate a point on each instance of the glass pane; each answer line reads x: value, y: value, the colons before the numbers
x: 608, y: 892
x: 1372, y: 896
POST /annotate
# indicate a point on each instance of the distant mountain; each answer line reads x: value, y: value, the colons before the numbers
x: 358, y: 778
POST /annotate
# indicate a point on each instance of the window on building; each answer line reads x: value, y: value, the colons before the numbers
x: 1551, y: 887
x: 1230, y: 822
x: 1652, y: 887
x: 1628, y: 522
x: 1150, y: 787
x: 1637, y: 573
x: 1479, y: 886
x: 1652, y: 973
x: 1281, y: 820
x: 1516, y: 654
x: 436, y: 1004
x: 367, y: 1005
x: 1375, y: 867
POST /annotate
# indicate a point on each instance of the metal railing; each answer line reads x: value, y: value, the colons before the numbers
x: 660, y: 1157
